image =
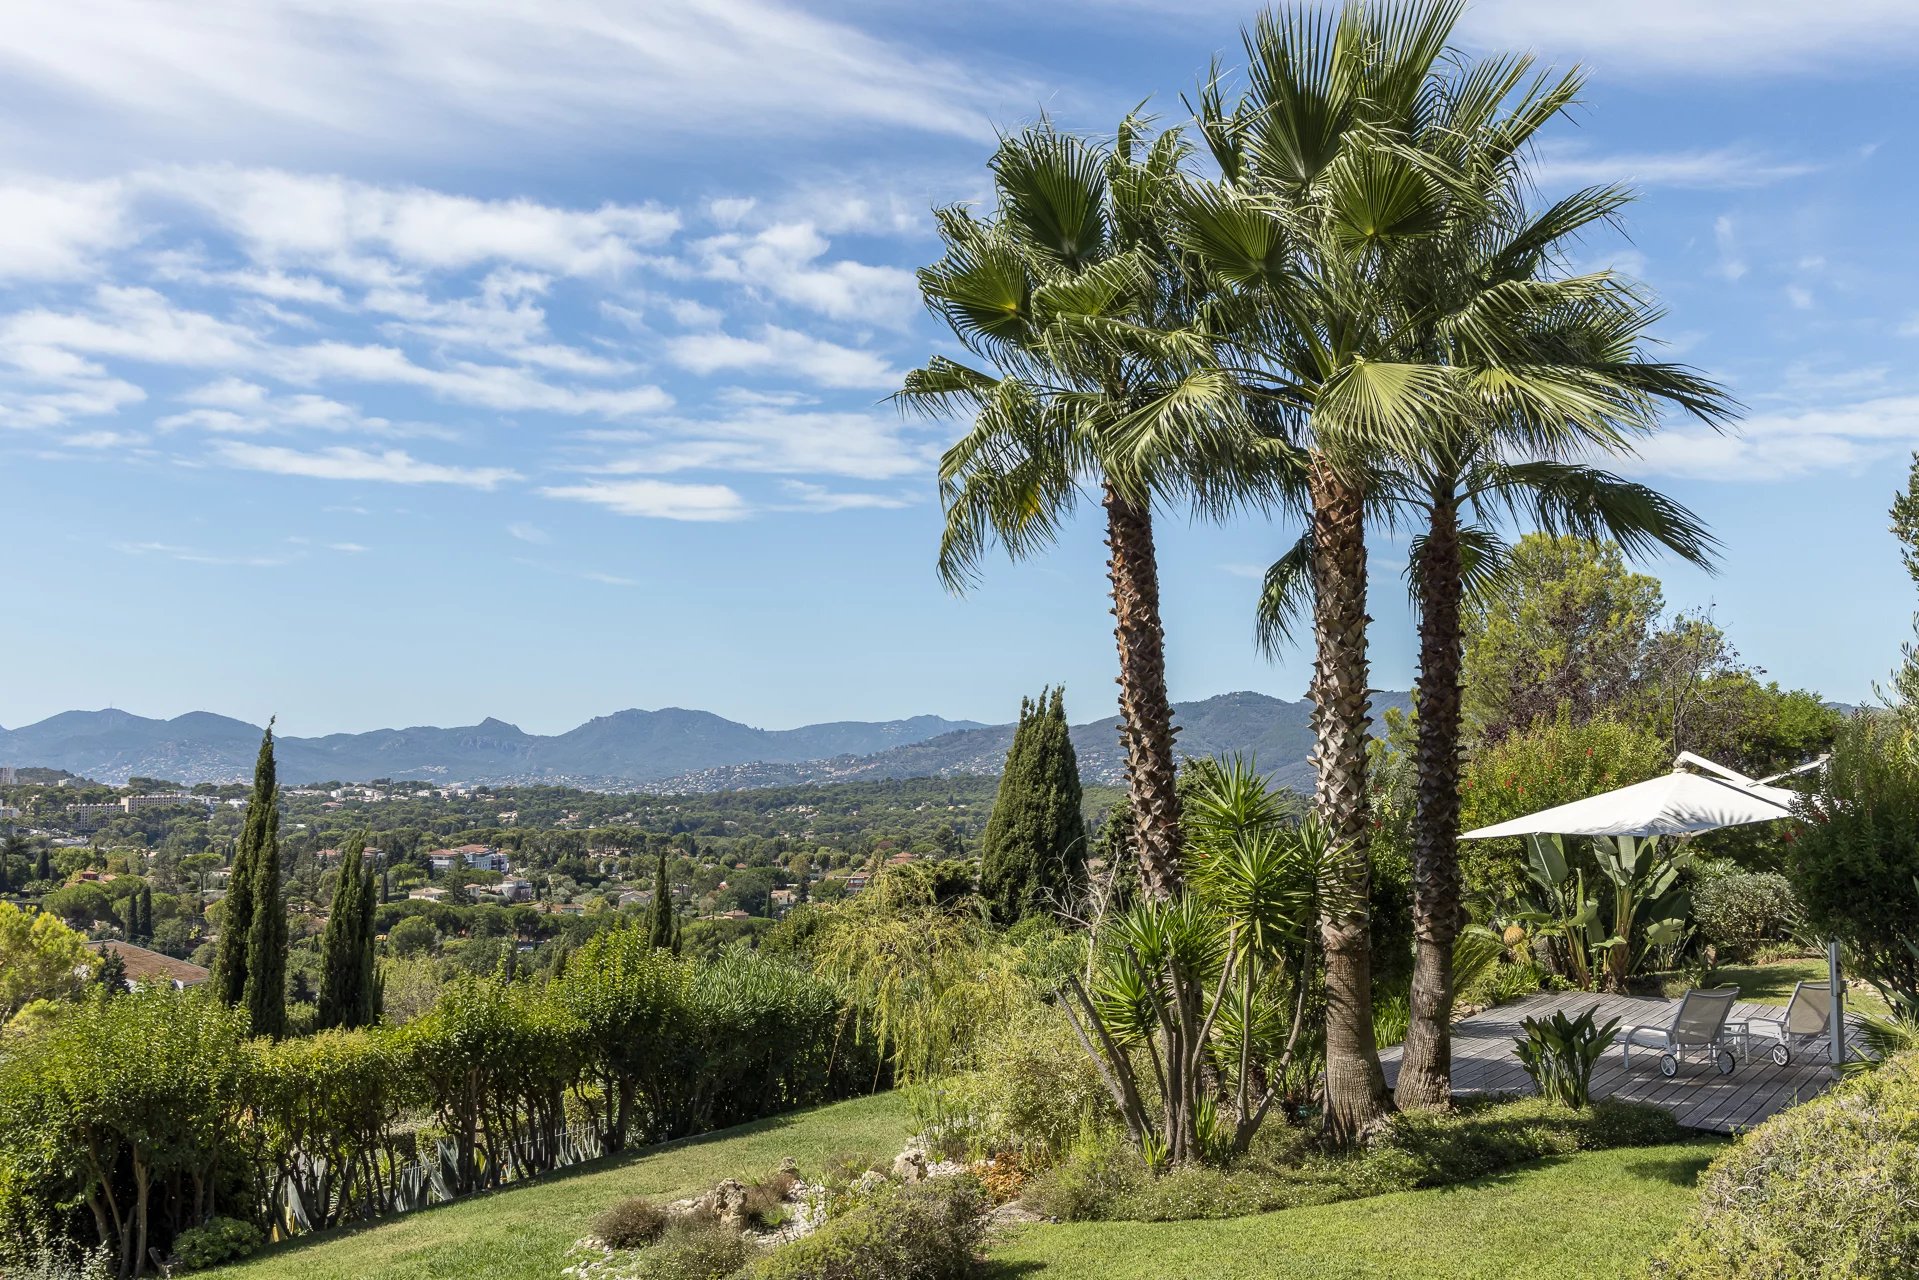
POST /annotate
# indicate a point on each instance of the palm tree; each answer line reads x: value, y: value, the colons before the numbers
x: 1554, y: 369
x: 1309, y: 229
x: 1094, y: 369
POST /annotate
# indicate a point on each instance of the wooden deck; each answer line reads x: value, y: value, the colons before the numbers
x: 1699, y: 1097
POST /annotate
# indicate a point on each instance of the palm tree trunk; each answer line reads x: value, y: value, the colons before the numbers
x: 1425, y: 1069
x: 1145, y: 713
x: 1355, y: 1088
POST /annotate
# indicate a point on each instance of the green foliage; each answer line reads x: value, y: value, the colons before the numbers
x: 1033, y: 1092
x: 412, y: 936
x: 631, y: 1224
x: 494, y: 1061
x: 1823, y: 1189
x: 1555, y: 761
x: 40, y: 959
x: 1559, y: 1053
x: 1739, y: 912
x: 1568, y: 633
x: 693, y: 1248
x: 1283, y: 1169
x: 215, y: 1241
x: 349, y: 978
x: 1219, y: 973
x: 663, y: 926
x: 923, y: 975
x: 1855, y: 861
x: 326, y: 1111
x: 1033, y: 854
x: 119, y: 1104
x: 929, y: 1230
x: 236, y: 909
x: 631, y: 1002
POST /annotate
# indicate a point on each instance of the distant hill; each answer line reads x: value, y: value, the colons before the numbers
x: 671, y: 749
x: 1272, y: 732
x: 625, y: 748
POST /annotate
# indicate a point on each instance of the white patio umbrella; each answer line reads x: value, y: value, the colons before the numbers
x: 1680, y: 803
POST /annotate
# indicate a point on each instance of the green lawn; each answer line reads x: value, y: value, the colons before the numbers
x: 1773, y: 983
x: 1597, y: 1215
x: 1607, y: 1209
x: 521, y: 1233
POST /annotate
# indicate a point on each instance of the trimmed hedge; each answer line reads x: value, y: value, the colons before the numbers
x: 1821, y: 1191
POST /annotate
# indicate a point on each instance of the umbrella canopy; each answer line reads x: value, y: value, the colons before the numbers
x: 1677, y: 804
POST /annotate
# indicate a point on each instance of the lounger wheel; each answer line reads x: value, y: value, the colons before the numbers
x: 1781, y: 1055
x: 1668, y: 1065
x: 1727, y: 1063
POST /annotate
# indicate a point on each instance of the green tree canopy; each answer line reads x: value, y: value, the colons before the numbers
x: 1033, y: 853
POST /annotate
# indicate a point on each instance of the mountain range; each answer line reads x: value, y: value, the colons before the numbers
x: 671, y: 749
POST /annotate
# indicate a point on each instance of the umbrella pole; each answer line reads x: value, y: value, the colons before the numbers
x: 1836, y: 1027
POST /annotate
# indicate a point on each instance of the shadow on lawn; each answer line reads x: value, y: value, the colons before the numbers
x: 603, y: 1164
x: 1679, y: 1171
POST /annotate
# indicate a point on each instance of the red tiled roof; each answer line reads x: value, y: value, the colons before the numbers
x: 147, y: 966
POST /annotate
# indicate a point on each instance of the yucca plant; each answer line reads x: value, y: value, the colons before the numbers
x: 1559, y: 1053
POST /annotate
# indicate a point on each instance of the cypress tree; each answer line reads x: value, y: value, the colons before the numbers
x: 146, y: 912
x: 43, y: 865
x: 1034, y: 848
x: 263, y: 987
x: 348, y: 977
x: 236, y: 909
x: 660, y: 930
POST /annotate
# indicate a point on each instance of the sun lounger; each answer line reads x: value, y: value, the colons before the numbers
x: 1803, y: 1025
x: 1699, y: 1025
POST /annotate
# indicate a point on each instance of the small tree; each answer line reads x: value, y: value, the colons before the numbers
x: 662, y: 926
x: 260, y: 830
x: 1033, y: 852
x: 349, y: 983
x: 40, y: 959
x: 1209, y: 988
x: 1855, y: 863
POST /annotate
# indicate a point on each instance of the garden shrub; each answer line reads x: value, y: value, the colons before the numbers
x: 916, y: 1231
x: 1738, y: 912
x: 693, y: 1249
x: 630, y: 1224
x: 1287, y: 1170
x: 1822, y: 1190
x: 215, y: 1241
x: 1855, y: 860
x: 1034, y: 1092
x: 764, y: 1202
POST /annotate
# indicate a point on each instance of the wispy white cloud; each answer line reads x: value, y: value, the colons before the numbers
x: 861, y: 446
x: 1787, y: 443
x: 657, y: 499
x: 479, y: 76
x: 1732, y: 263
x: 785, y: 261
x: 526, y: 531
x: 1645, y: 38
x: 805, y: 496
x: 360, y: 229
x: 190, y: 555
x: 1574, y: 164
x: 52, y: 230
x: 391, y: 466
x: 779, y: 350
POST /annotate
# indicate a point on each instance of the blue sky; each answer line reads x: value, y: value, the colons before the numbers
x: 381, y: 363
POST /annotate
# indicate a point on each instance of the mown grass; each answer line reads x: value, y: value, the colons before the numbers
x: 523, y: 1232
x: 1608, y: 1209
x: 1772, y: 983
x: 1596, y: 1215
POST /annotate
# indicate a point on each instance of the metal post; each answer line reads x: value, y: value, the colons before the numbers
x: 1836, y: 1030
